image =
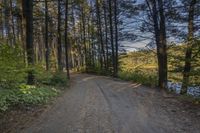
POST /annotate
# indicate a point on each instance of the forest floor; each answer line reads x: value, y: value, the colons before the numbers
x: 98, y: 104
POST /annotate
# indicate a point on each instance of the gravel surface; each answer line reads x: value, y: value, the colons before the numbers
x: 98, y: 104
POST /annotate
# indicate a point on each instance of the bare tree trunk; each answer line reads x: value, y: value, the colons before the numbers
x: 1, y: 22
x: 116, y: 37
x: 6, y: 21
x: 188, y: 54
x: 12, y: 24
x: 158, y: 16
x: 93, y: 45
x: 46, y: 36
x: 163, y: 48
x: 23, y: 32
x: 84, y: 36
x: 59, y: 47
x: 100, y: 35
x: 106, y: 33
x: 111, y: 37
x: 66, y: 39
x: 74, y: 58
x: 28, y: 13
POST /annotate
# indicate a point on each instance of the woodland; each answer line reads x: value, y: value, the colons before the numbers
x: 44, y: 42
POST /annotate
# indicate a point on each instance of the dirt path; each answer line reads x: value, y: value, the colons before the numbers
x: 96, y: 104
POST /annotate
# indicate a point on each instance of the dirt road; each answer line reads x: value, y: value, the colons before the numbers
x: 97, y: 104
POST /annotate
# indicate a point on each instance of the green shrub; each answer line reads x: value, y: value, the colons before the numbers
x: 42, y: 76
x: 31, y: 95
x: 13, y: 76
x: 149, y: 79
x: 50, y: 78
x: 58, y: 79
x: 12, y: 68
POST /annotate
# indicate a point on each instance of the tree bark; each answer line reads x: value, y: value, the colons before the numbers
x: 163, y: 48
x: 12, y: 24
x: 66, y: 39
x: 84, y: 37
x: 106, y: 33
x: 116, y: 37
x: 59, y: 47
x: 28, y: 13
x: 158, y: 17
x: 46, y: 36
x: 6, y: 21
x: 188, y: 54
x: 1, y: 23
x: 100, y: 36
x: 111, y: 37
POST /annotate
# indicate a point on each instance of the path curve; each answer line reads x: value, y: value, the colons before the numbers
x: 98, y: 104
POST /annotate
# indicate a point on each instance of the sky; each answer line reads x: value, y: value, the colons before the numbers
x: 133, y: 25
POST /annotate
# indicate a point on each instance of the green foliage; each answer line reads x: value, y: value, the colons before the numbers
x: 79, y: 69
x: 140, y: 67
x: 58, y: 79
x: 26, y: 95
x: 176, y: 61
x: 44, y: 77
x: 146, y: 63
x: 138, y: 76
x: 98, y: 71
x: 12, y: 68
x: 13, y: 74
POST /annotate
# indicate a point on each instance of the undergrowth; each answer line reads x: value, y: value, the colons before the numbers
x: 47, y: 86
x: 25, y: 96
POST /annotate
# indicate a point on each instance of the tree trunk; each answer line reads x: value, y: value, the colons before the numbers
x: 116, y: 38
x: 160, y: 38
x: 6, y: 21
x: 28, y: 13
x: 188, y: 54
x: 106, y: 33
x: 100, y: 35
x: 84, y: 37
x: 46, y: 36
x: 59, y: 47
x: 23, y: 32
x: 163, y: 48
x: 1, y: 24
x: 12, y: 24
x: 66, y: 39
x: 111, y: 37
